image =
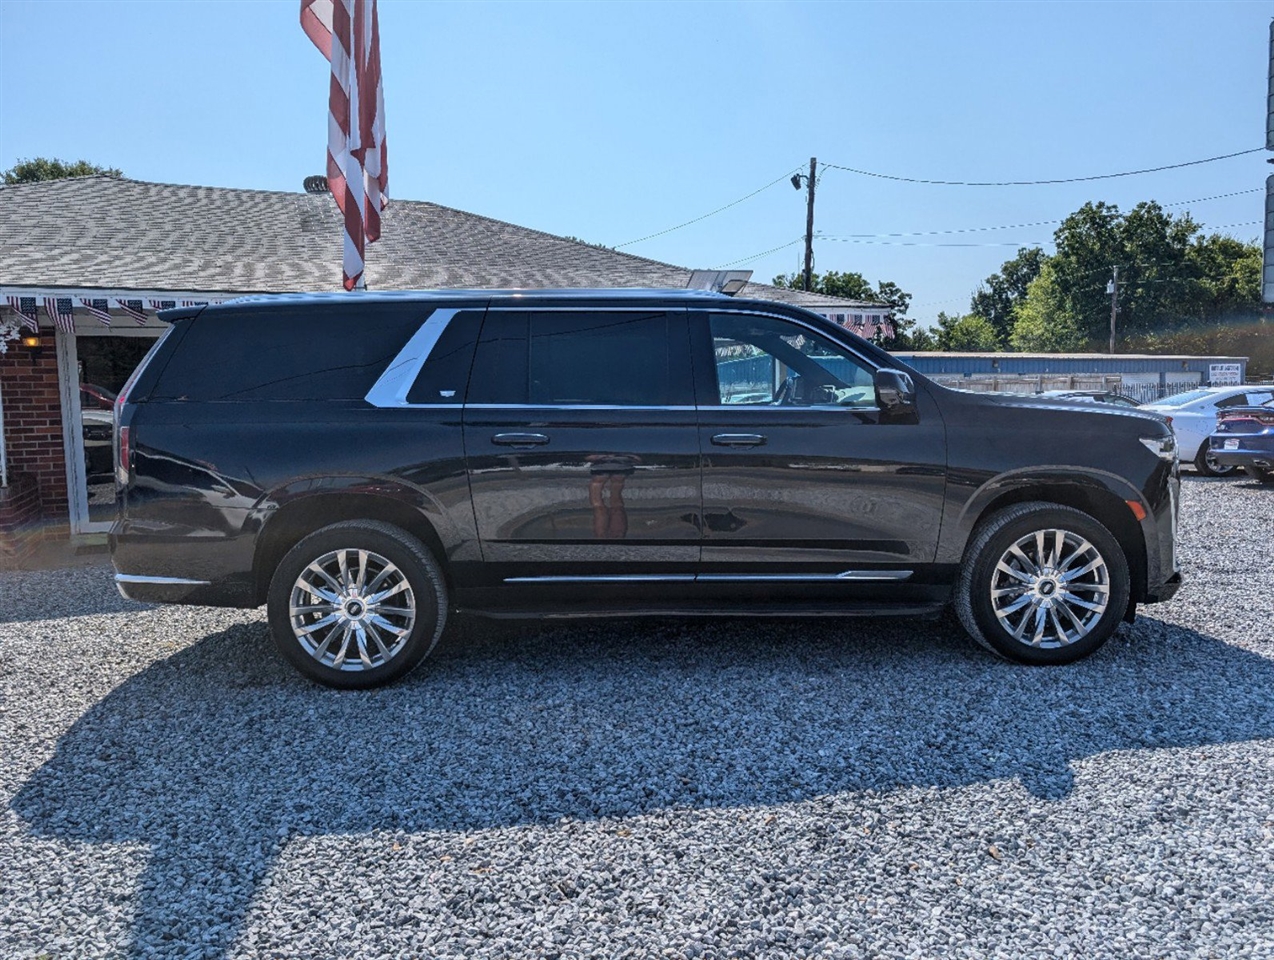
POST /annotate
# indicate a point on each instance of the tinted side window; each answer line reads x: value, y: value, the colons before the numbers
x: 327, y: 352
x: 763, y: 360
x: 620, y: 358
x: 499, y: 365
x: 443, y: 377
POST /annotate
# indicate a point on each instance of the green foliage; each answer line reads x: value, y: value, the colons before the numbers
x: 1043, y: 321
x: 849, y: 285
x: 854, y: 286
x: 968, y: 334
x: 996, y: 297
x: 42, y: 168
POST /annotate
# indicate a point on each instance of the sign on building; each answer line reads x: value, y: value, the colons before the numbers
x: 1225, y: 374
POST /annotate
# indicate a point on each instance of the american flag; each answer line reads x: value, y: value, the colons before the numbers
x: 61, y: 311
x: 99, y: 308
x: 27, y: 309
x: 134, y: 308
x: 348, y: 34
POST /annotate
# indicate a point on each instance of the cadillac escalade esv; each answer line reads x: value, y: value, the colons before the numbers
x: 367, y: 464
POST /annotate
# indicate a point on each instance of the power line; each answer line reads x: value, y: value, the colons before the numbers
x: 763, y: 253
x: 1034, y: 183
x: 712, y: 213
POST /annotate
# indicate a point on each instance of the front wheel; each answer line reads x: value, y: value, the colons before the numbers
x: 357, y: 604
x: 1042, y: 584
x: 1207, y: 465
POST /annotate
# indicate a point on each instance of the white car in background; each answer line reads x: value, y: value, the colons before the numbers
x: 1193, y: 417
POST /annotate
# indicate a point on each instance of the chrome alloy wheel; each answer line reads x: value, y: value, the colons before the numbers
x: 1050, y: 589
x: 352, y: 610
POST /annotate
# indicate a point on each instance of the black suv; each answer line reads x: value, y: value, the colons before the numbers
x: 367, y: 464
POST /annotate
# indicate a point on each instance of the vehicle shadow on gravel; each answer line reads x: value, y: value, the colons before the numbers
x: 214, y: 756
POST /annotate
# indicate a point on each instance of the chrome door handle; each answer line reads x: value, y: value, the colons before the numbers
x: 738, y: 440
x: 520, y: 439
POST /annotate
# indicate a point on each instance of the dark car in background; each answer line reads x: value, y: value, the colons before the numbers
x: 366, y: 465
x: 1244, y: 438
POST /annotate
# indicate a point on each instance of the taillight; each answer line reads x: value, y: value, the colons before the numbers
x: 122, y: 459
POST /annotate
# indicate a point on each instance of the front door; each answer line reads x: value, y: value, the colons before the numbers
x: 803, y: 475
x: 581, y: 446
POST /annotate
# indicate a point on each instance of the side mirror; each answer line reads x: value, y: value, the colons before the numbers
x: 895, y: 392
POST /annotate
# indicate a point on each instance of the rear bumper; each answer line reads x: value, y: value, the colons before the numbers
x: 1165, y: 591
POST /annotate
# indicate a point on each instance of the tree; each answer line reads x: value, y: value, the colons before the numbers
x: 997, y: 296
x: 42, y: 168
x: 1230, y: 276
x: 1043, y: 322
x: 854, y: 286
x: 968, y: 334
x: 849, y: 286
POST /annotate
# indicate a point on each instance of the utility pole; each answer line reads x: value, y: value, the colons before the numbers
x: 809, y: 225
x: 1113, y: 289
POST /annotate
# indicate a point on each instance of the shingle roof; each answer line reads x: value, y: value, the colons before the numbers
x: 112, y: 233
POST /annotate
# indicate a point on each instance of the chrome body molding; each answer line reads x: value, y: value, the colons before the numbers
x: 160, y: 581
x: 847, y: 576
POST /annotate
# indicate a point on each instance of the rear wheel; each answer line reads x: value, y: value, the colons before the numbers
x: 1042, y: 584
x: 1206, y: 464
x: 1260, y: 474
x: 357, y: 604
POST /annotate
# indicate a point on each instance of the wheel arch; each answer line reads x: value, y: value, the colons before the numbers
x: 298, y: 517
x: 1090, y: 495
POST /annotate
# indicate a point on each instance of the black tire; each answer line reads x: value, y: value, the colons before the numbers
x: 1211, y: 468
x: 1260, y: 474
x: 994, y: 538
x: 392, y: 654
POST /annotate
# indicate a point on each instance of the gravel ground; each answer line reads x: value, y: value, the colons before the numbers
x: 646, y: 789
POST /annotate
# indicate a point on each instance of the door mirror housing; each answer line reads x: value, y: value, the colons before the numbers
x: 895, y: 392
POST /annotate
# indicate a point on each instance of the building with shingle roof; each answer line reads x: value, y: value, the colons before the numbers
x: 105, y: 253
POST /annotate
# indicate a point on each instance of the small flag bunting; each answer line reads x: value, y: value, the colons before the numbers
x: 134, y: 309
x: 62, y: 312
x: 28, y: 310
x: 99, y: 308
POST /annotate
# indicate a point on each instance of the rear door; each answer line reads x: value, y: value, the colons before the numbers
x: 582, y: 448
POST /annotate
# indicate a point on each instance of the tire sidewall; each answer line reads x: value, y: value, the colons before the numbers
x: 1009, y: 532
x: 401, y: 549
x: 1201, y: 464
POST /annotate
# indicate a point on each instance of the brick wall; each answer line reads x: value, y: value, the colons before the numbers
x: 33, y: 425
x: 19, y: 521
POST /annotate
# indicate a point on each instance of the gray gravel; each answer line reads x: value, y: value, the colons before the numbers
x: 646, y: 789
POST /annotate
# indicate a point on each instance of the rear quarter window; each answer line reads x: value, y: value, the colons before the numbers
x: 327, y: 352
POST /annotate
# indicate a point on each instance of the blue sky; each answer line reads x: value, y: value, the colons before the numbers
x: 611, y: 121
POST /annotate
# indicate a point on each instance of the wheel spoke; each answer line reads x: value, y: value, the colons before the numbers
x: 1080, y: 551
x: 1028, y: 564
x: 1086, y: 568
x: 1059, y: 541
x: 380, y: 644
x: 1040, y: 621
x: 326, y: 578
x: 394, y: 611
x: 362, y: 571
x: 305, y: 631
x: 1015, y: 574
x: 386, y: 594
x: 1071, y: 599
x: 360, y: 636
x: 324, y: 608
x: 1016, y: 605
x: 343, y: 652
x: 1057, y: 625
x: 389, y: 627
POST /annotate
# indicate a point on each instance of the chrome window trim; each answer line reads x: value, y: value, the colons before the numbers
x: 392, y: 387
x: 571, y: 406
